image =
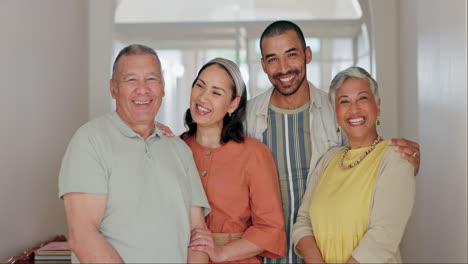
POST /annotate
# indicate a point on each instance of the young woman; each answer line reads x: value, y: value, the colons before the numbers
x: 238, y: 173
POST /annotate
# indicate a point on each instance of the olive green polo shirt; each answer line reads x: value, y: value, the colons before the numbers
x: 150, y: 185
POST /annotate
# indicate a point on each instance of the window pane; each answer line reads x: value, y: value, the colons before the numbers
x: 314, y: 44
x: 313, y: 74
x: 150, y: 11
x: 342, y: 49
x: 229, y: 54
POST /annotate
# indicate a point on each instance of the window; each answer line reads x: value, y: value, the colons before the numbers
x: 187, y: 38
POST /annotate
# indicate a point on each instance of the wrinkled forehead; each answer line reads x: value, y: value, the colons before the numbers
x: 147, y: 63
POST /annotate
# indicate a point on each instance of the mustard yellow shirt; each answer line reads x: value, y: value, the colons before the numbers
x: 391, y: 205
x: 340, y: 206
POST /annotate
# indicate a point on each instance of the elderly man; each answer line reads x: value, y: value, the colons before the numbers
x: 130, y: 193
x: 296, y: 120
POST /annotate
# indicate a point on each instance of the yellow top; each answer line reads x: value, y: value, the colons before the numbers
x: 340, y: 206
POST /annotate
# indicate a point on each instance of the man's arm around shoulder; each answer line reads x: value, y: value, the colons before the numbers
x: 84, y: 215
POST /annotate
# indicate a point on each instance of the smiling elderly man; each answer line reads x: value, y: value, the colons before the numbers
x: 130, y: 193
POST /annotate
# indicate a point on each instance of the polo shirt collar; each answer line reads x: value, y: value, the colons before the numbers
x: 127, y: 131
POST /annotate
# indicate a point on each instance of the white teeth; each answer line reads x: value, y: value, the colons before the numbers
x: 356, y: 121
x: 201, y: 108
x: 286, y: 79
x: 141, y: 102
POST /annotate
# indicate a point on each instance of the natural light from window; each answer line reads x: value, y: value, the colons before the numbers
x: 186, y: 38
x: 150, y: 11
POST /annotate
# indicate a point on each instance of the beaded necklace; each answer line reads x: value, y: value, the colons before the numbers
x: 360, y: 158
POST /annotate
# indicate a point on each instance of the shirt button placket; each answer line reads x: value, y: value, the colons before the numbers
x: 208, y: 153
x: 148, y: 152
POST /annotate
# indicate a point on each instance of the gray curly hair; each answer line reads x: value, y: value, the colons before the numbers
x: 352, y: 72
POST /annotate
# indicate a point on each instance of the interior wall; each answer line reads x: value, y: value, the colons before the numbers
x: 383, y: 36
x: 44, y: 94
x: 433, y: 110
x: 101, y: 37
x: 420, y: 54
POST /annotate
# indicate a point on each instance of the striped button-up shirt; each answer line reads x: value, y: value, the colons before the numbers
x: 322, y: 136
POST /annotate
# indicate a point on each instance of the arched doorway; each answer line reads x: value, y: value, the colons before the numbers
x: 186, y: 38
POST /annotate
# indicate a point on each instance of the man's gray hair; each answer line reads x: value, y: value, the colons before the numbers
x: 134, y: 49
x: 352, y: 72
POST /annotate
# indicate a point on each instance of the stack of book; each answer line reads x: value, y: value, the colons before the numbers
x: 53, y: 253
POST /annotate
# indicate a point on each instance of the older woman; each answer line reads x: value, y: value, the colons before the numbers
x: 238, y: 173
x: 359, y: 198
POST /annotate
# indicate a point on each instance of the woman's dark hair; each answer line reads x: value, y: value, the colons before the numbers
x: 233, y: 128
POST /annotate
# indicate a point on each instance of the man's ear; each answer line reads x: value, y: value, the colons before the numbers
x: 263, y: 65
x: 113, y: 88
x: 308, y: 54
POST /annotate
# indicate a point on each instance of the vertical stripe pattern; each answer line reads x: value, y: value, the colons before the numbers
x: 288, y: 136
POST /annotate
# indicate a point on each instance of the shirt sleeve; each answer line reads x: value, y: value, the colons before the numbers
x: 83, y: 168
x: 198, y: 193
x: 267, y: 229
x: 392, y: 205
x: 303, y: 225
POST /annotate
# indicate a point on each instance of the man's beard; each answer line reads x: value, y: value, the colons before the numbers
x: 284, y: 74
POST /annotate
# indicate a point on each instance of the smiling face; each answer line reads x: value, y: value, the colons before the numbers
x: 211, y: 97
x: 138, y: 89
x: 357, y: 110
x: 284, y: 61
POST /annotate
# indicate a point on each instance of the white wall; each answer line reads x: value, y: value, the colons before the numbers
x: 383, y: 36
x: 101, y: 37
x: 44, y: 99
x: 433, y: 109
x: 420, y: 53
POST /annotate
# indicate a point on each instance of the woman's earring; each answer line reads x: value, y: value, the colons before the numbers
x: 378, y: 122
x: 229, y: 114
x: 338, y: 130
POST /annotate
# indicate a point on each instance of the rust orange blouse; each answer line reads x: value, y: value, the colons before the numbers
x: 241, y: 183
